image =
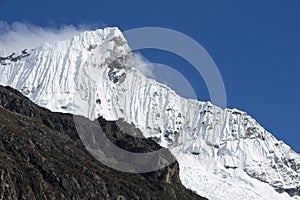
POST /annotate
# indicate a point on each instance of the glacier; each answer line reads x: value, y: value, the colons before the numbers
x: 222, y: 153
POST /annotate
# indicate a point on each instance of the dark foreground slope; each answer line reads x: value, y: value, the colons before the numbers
x: 42, y: 157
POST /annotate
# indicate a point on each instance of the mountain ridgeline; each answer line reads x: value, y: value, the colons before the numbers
x: 222, y: 153
x: 42, y: 157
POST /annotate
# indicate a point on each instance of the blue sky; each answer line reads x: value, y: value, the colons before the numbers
x: 255, y: 45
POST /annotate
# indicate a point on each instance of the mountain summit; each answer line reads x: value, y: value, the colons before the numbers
x: 222, y: 153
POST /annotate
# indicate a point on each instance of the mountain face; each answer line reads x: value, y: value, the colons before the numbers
x: 42, y: 157
x: 222, y: 154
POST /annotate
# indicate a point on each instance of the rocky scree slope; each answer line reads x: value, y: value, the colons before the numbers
x: 42, y: 157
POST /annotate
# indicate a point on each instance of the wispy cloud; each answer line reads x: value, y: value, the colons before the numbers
x: 144, y: 65
x: 166, y: 75
x: 19, y: 35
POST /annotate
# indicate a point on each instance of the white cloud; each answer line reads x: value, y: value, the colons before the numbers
x: 144, y: 65
x: 166, y: 75
x: 18, y: 35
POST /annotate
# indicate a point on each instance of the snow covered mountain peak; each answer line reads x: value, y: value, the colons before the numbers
x: 54, y: 75
x: 89, y: 39
x: 223, y: 154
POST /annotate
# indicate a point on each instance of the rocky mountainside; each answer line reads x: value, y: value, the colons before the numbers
x: 42, y: 157
x: 222, y: 153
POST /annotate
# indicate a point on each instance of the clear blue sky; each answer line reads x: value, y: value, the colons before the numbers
x: 255, y: 44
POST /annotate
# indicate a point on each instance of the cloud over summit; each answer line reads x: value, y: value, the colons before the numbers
x: 18, y: 35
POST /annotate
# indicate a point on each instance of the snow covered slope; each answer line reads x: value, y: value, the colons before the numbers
x: 223, y: 154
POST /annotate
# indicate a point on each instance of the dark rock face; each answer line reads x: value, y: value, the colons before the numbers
x: 290, y: 191
x: 42, y: 157
x: 14, y: 57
